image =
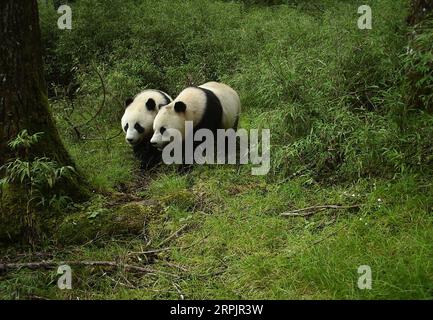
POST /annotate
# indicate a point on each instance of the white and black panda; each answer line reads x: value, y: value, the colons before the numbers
x: 137, y: 122
x: 212, y: 106
x: 140, y: 112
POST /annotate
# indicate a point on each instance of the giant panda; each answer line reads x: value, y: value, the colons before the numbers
x: 212, y: 106
x: 137, y: 124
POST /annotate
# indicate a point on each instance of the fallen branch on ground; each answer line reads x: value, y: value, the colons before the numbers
x: 327, y: 237
x: 305, y: 212
x: 53, y: 264
x: 173, y: 235
x: 149, y: 251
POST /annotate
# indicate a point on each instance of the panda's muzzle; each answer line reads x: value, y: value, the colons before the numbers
x: 132, y: 141
x: 157, y: 145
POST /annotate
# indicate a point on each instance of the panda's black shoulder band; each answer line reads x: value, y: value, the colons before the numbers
x: 212, y: 116
x: 166, y: 97
x: 128, y: 101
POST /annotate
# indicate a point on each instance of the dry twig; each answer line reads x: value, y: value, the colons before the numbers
x: 173, y: 235
x: 305, y: 212
x: 53, y: 264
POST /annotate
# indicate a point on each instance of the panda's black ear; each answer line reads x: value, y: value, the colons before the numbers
x: 128, y: 101
x: 179, y: 106
x: 150, y: 104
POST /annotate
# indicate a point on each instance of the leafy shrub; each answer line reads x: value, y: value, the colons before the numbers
x: 419, y: 66
x: 37, y: 178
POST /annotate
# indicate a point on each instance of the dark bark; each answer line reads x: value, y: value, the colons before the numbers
x: 23, y: 92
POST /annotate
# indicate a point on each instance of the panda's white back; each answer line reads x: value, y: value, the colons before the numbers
x: 195, y: 99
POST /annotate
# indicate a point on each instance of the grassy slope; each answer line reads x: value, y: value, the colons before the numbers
x: 235, y: 243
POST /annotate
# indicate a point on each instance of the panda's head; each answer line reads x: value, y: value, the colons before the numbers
x: 140, y: 112
x: 170, y: 118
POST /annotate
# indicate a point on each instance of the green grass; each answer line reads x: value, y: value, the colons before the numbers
x: 236, y: 246
x: 335, y: 100
x: 105, y: 164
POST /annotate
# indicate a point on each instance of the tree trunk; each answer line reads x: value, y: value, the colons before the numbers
x: 24, y: 103
x: 23, y: 92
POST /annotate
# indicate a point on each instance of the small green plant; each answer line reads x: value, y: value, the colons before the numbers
x: 36, y: 176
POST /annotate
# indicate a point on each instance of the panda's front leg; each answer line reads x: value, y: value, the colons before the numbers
x: 154, y: 157
x: 148, y: 156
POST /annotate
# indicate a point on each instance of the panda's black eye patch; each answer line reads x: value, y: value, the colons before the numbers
x: 139, y: 128
x: 162, y: 130
x: 126, y: 127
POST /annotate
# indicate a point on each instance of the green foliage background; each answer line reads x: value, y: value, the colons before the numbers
x: 333, y: 96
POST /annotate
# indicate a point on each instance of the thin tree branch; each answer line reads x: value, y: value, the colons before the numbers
x: 104, y: 90
x: 173, y: 235
x: 4, y: 267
